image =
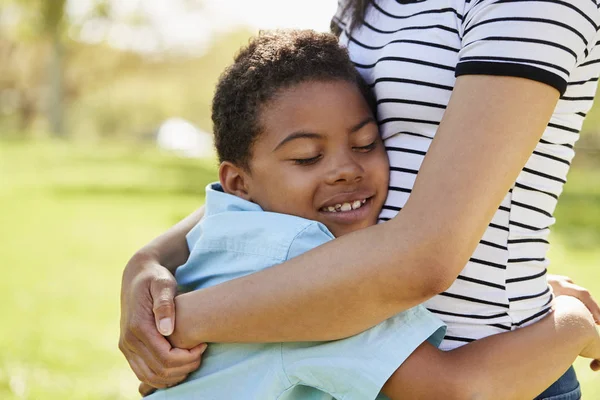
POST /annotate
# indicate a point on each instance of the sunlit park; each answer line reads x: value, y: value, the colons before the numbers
x: 105, y: 143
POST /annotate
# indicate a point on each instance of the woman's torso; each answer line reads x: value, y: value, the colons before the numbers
x: 409, y: 53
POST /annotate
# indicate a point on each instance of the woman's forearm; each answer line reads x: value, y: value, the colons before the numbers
x: 303, y: 298
x: 513, y: 365
x: 362, y: 278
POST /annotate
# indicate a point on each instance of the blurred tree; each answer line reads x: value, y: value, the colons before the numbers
x: 53, y: 25
x: 34, y: 47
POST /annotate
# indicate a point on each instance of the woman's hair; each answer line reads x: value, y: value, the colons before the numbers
x: 272, y: 61
x: 358, y: 10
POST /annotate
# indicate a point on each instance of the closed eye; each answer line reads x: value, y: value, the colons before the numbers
x: 367, y: 148
x: 306, y: 161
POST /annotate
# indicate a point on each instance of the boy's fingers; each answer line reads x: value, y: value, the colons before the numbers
x: 134, y: 363
x: 145, y: 389
x: 163, y: 291
x: 154, y: 346
x: 154, y: 379
x: 165, y: 369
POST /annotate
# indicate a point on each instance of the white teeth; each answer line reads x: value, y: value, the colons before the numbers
x: 356, y: 204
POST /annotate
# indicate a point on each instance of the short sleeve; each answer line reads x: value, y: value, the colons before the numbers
x: 542, y: 40
x: 357, y: 367
x: 311, y: 236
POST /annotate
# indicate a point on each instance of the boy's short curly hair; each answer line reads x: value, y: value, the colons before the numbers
x: 272, y: 61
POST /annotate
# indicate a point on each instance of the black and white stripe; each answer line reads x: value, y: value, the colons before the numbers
x: 410, y: 54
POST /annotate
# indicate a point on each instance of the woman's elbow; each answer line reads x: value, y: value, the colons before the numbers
x: 468, y: 393
x: 463, y: 388
x: 438, y: 274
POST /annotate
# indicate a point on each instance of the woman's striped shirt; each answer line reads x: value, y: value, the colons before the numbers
x: 411, y: 54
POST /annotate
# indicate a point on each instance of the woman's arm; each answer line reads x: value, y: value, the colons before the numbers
x: 488, y: 132
x: 494, y: 367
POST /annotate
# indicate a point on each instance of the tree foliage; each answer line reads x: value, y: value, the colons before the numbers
x: 106, y: 92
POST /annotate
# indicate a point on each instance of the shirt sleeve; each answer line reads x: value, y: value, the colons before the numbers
x: 311, y: 236
x: 357, y: 367
x: 542, y: 40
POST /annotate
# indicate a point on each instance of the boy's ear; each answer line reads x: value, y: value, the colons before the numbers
x: 234, y: 180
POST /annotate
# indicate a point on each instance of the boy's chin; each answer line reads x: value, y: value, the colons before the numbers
x: 346, y: 229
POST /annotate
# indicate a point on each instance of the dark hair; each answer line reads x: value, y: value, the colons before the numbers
x: 358, y: 8
x: 272, y: 61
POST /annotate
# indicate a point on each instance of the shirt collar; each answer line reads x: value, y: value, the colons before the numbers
x: 217, y: 201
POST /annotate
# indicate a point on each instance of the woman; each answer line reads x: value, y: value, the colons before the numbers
x: 503, y: 87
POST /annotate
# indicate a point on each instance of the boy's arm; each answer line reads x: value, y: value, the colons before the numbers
x: 364, y: 277
x: 513, y: 365
x: 147, y: 308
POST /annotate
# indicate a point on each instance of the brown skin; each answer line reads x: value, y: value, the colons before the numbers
x: 319, y: 146
x: 472, y: 161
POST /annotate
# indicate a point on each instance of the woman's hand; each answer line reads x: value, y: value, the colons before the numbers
x: 147, y: 314
x: 563, y: 285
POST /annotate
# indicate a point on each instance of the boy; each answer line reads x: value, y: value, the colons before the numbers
x: 302, y: 162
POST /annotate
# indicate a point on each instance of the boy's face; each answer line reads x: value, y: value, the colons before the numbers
x: 320, y: 156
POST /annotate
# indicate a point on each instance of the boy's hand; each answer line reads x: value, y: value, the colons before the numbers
x: 145, y: 389
x: 148, y: 289
x: 563, y: 285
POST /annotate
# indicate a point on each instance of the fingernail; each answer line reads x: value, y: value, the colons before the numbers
x: 165, y: 326
x: 204, y: 347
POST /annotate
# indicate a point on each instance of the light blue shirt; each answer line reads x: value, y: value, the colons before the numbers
x: 236, y: 238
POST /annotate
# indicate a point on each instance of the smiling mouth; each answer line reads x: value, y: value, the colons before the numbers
x: 344, y: 207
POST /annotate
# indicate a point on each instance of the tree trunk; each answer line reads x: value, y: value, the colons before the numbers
x: 56, y: 95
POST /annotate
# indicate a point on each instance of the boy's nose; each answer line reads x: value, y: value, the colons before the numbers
x: 346, y: 170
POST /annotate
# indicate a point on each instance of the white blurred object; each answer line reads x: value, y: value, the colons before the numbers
x: 188, y: 26
x: 183, y: 138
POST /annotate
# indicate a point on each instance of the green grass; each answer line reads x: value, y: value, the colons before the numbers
x: 71, y: 216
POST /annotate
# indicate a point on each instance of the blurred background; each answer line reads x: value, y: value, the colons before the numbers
x: 105, y: 142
